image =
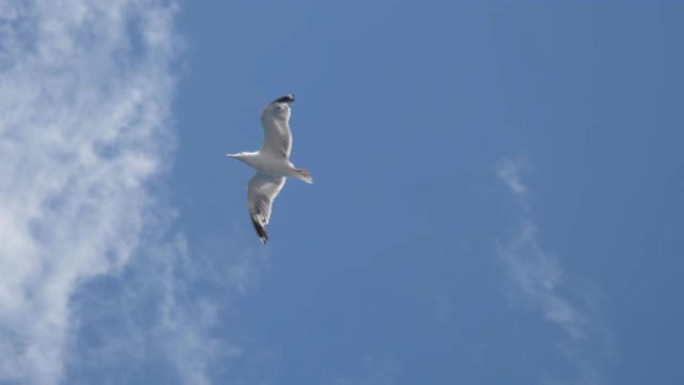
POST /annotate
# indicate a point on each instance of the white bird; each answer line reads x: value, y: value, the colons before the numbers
x: 271, y: 162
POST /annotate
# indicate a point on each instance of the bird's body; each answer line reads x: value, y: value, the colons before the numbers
x: 271, y: 162
x: 271, y: 165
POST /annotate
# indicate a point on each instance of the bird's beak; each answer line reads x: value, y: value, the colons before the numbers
x: 230, y: 155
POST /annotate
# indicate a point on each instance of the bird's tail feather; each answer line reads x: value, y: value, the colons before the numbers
x: 303, y: 174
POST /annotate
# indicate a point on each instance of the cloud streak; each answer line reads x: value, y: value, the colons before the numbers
x: 534, y: 271
x: 537, y: 280
x: 537, y: 276
x: 85, y: 93
x: 509, y: 171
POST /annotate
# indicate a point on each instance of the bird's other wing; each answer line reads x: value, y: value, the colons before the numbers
x: 276, y: 121
x: 261, y: 191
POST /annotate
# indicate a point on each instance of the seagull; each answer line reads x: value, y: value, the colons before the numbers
x: 272, y: 163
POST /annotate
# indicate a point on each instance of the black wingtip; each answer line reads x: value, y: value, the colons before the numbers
x: 261, y: 231
x: 285, y: 99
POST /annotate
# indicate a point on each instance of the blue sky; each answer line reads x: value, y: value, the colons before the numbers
x: 498, y: 196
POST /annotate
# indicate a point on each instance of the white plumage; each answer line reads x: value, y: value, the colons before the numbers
x: 271, y: 162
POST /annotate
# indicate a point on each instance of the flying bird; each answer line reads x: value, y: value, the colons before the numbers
x: 271, y: 162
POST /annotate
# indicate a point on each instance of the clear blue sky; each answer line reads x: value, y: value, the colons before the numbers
x: 388, y: 269
x: 498, y: 199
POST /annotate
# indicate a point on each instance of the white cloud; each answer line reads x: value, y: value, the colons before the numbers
x: 85, y: 93
x: 185, y: 322
x: 537, y: 276
x: 537, y: 280
x: 535, y: 272
x: 164, y: 311
x: 508, y: 170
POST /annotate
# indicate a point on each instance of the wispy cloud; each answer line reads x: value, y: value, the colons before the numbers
x: 165, y: 310
x: 537, y: 276
x: 537, y: 279
x: 185, y: 320
x: 508, y: 171
x: 535, y: 272
x: 85, y: 94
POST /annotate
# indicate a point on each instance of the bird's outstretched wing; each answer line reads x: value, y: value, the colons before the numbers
x: 276, y: 121
x: 261, y: 191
